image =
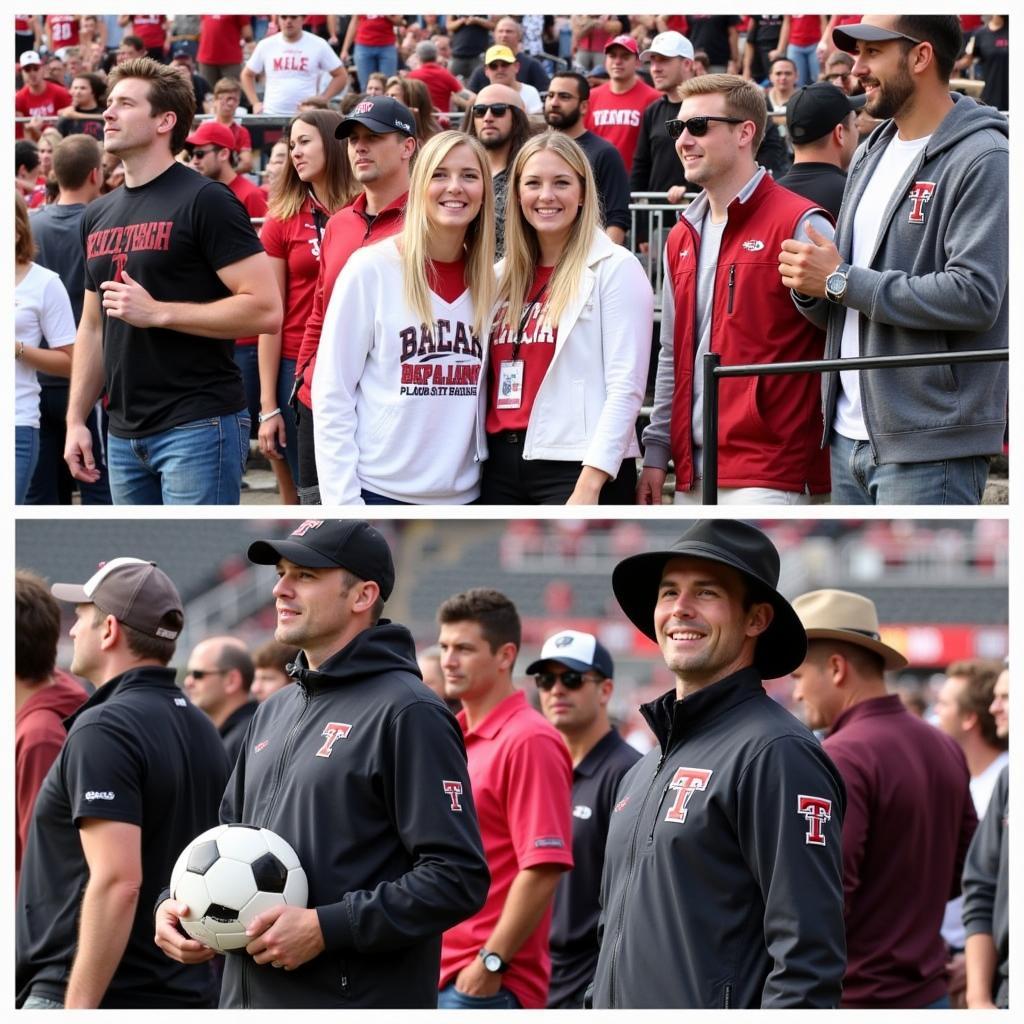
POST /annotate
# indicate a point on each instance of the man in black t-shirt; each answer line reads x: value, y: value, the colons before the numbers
x: 574, y: 679
x: 174, y: 272
x: 140, y: 775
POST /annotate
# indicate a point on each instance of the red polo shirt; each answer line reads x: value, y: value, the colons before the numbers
x: 521, y: 775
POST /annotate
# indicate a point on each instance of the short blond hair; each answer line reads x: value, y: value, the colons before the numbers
x: 743, y: 99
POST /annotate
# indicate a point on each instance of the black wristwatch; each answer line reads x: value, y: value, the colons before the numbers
x: 492, y: 962
x: 835, y: 283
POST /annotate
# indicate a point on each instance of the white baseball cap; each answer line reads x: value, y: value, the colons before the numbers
x: 669, y: 44
x: 580, y: 651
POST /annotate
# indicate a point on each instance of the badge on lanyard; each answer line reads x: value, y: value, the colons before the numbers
x: 510, y: 384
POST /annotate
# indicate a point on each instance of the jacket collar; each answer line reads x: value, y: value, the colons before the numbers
x: 698, y: 209
x: 359, y: 205
x: 153, y: 676
x: 671, y: 719
x: 497, y: 718
x: 890, y: 704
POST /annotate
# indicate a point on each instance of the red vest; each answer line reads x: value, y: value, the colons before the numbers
x: 769, y: 428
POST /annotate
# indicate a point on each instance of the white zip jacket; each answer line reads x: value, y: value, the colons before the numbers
x: 588, y: 402
x: 396, y: 412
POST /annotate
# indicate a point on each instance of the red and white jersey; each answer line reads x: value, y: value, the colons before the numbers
x: 617, y: 116
x: 62, y: 30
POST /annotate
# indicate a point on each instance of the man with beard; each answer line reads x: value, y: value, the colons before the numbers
x: 919, y: 264
x: 498, y: 119
x: 565, y: 108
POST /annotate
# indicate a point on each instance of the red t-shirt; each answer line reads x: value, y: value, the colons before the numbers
x: 535, y: 352
x: 617, y: 116
x: 969, y: 22
x: 677, y: 23
x: 46, y: 104
x: 440, y: 83
x: 804, y: 29
x: 243, y: 140
x: 250, y: 196
x: 447, y: 279
x: 63, y: 30
x: 220, y: 39
x: 521, y: 776
x: 375, y: 30
x: 295, y: 241
x: 346, y: 231
x: 594, y: 41
x: 150, y: 29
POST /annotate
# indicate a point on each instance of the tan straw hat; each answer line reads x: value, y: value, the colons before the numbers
x: 852, y: 618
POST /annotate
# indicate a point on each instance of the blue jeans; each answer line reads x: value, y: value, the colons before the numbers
x: 41, y: 1003
x: 856, y: 480
x: 26, y: 453
x: 374, y: 58
x: 449, y: 998
x: 806, y: 60
x: 197, y: 463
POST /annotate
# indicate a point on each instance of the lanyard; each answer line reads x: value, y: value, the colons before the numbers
x: 319, y: 219
x: 526, y: 316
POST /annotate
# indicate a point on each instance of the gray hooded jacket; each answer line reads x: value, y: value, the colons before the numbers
x: 937, y: 282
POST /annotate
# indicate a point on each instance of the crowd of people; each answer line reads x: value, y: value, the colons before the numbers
x: 492, y: 855
x: 845, y: 203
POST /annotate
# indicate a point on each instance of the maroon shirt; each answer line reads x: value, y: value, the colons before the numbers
x: 909, y: 820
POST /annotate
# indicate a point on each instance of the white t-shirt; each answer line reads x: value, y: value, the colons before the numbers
x: 293, y: 70
x: 867, y: 221
x: 396, y: 414
x: 531, y: 98
x: 42, y: 309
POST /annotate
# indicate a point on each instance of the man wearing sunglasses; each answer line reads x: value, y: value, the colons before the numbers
x: 919, y: 264
x: 498, y: 119
x: 501, y: 68
x: 574, y: 682
x: 218, y: 679
x: 722, y: 294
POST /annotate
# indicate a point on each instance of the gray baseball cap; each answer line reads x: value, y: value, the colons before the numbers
x: 135, y: 592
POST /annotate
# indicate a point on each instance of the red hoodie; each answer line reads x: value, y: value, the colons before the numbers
x: 38, y: 736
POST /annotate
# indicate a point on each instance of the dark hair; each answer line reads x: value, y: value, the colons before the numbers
x: 348, y: 581
x: 788, y: 60
x: 235, y: 657
x: 74, y: 159
x: 26, y: 154
x: 522, y: 129
x: 865, y: 662
x: 143, y: 646
x: 96, y: 83
x: 490, y: 609
x: 274, y: 655
x: 582, y: 85
x: 943, y: 32
x: 36, y: 627
x: 135, y: 42
x: 169, y: 92
x: 975, y: 696
x: 289, y: 191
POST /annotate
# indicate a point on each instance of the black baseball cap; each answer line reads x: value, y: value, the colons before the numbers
x: 813, y: 111
x: 846, y: 37
x: 350, y: 544
x: 381, y: 114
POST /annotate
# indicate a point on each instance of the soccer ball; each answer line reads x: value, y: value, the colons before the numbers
x: 228, y: 875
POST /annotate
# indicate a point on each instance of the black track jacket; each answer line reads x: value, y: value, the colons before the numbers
x: 723, y: 878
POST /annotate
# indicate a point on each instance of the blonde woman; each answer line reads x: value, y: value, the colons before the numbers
x: 399, y: 363
x: 41, y: 309
x: 570, y: 342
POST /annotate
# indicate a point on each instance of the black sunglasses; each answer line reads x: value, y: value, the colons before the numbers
x: 569, y: 679
x: 497, y: 109
x: 198, y: 154
x: 202, y: 673
x: 697, y: 126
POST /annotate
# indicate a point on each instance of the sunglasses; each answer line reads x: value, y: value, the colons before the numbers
x: 496, y: 64
x: 198, y: 154
x: 697, y: 126
x: 569, y: 679
x: 497, y: 109
x: 202, y: 673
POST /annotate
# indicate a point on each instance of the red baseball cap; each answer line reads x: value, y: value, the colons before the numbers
x: 213, y: 132
x: 625, y: 41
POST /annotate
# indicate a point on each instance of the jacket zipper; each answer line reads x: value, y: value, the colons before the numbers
x: 654, y: 823
x: 732, y: 287
x: 245, y: 983
x: 282, y: 760
x: 629, y: 877
x: 727, y: 1000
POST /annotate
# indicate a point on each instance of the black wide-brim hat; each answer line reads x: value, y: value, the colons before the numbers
x: 781, y: 648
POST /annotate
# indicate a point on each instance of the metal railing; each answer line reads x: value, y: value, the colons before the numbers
x: 713, y: 371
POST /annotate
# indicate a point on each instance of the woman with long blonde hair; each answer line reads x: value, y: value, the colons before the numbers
x: 314, y: 183
x: 398, y: 368
x: 570, y: 341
